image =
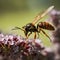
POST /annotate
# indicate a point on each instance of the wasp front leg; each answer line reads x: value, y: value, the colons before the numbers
x: 29, y: 34
x: 26, y: 34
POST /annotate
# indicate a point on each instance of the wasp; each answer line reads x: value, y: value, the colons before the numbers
x: 30, y: 27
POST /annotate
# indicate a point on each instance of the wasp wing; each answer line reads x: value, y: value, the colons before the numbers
x: 38, y: 17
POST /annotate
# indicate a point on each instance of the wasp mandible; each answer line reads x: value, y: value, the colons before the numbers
x: 30, y: 27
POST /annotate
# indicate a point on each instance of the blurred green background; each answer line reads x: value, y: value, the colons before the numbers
x: 20, y: 12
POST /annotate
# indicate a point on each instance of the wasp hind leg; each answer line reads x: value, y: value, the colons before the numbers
x: 45, y: 34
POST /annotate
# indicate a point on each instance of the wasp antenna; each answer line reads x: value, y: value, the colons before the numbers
x: 17, y: 28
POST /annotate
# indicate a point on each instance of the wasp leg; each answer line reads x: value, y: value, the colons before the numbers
x: 34, y: 35
x: 38, y: 30
x: 26, y: 34
x: 45, y: 34
x: 29, y: 34
x: 38, y: 34
x: 26, y: 37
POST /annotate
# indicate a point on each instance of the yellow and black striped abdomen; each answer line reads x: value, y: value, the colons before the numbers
x: 45, y: 25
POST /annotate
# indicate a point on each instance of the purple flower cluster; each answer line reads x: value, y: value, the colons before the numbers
x: 15, y: 45
x: 10, y: 39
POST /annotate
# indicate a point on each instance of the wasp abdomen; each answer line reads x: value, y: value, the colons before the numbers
x: 45, y: 25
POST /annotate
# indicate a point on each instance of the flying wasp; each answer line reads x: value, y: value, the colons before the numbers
x: 30, y: 27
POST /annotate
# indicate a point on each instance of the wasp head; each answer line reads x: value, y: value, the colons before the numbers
x: 27, y: 26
